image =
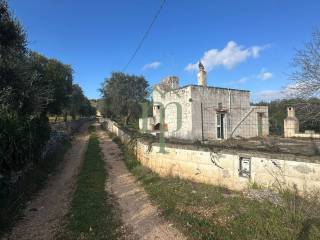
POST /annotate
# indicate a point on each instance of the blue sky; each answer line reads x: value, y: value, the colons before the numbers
x: 244, y: 44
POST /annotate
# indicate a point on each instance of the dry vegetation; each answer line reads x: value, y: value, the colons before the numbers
x: 211, y: 212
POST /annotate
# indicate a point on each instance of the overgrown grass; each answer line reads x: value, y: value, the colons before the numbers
x: 207, y: 212
x: 11, y: 207
x: 93, y: 214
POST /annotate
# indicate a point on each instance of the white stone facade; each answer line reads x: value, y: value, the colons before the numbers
x: 207, y: 113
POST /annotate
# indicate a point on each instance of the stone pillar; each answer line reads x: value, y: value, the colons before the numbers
x: 202, y: 76
x: 291, y: 123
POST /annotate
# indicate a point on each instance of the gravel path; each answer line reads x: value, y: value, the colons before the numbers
x: 138, y: 213
x: 44, y: 214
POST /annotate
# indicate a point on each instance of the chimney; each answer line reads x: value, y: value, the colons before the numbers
x: 291, y: 123
x: 202, y: 76
x: 291, y: 112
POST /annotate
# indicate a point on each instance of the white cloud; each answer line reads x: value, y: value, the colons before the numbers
x: 153, y: 65
x: 241, y: 80
x: 269, y: 95
x: 228, y: 57
x: 265, y: 75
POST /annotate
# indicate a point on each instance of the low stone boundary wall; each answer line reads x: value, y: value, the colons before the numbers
x: 224, y: 167
x: 307, y: 135
x: 70, y: 127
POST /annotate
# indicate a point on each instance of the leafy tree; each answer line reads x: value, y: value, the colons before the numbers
x: 12, y: 59
x: 87, y: 109
x: 38, y: 92
x: 77, y: 98
x: 31, y: 85
x: 54, y: 79
x: 61, y: 78
x: 29, y: 82
x: 123, y: 94
x: 278, y: 112
x: 79, y: 104
x: 22, y: 132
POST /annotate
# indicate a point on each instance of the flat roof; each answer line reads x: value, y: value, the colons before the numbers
x: 232, y: 89
x: 221, y: 88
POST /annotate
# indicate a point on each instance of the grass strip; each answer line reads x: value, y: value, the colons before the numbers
x: 92, y: 214
x: 211, y: 212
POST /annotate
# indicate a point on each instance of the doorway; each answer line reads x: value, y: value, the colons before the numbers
x: 220, y: 125
x: 260, y: 115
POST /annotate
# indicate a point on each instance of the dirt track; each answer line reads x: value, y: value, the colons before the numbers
x: 138, y: 213
x: 44, y: 214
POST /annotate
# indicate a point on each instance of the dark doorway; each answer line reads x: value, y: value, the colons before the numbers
x: 157, y: 126
x: 220, y: 125
x: 260, y: 115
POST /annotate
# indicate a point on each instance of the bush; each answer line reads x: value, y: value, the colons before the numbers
x: 21, y: 141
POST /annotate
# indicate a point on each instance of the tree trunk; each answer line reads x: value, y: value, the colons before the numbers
x: 126, y: 119
x: 65, y: 117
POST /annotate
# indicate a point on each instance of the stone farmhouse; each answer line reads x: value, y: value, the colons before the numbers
x: 201, y: 112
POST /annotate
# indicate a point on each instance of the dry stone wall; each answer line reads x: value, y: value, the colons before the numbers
x: 224, y: 167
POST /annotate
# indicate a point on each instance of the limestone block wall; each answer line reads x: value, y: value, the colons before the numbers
x: 221, y: 167
x: 170, y: 100
x: 149, y: 123
x: 70, y: 127
x: 200, y: 106
x: 240, y: 118
x: 307, y: 135
x: 210, y: 98
x: 291, y: 127
x: 249, y: 127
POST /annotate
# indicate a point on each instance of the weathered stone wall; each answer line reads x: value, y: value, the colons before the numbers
x: 200, y: 106
x: 236, y: 104
x: 240, y: 118
x: 306, y: 135
x: 222, y: 167
x: 247, y: 126
x: 68, y: 128
x: 170, y: 100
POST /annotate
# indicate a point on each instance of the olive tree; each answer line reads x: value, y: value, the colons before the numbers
x: 123, y: 94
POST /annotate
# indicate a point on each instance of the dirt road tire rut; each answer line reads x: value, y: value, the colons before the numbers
x: 45, y: 213
x: 138, y: 213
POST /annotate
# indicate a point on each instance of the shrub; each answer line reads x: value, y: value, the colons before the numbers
x: 21, y: 140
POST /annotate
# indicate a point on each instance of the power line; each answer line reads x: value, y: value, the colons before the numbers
x: 145, y: 35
